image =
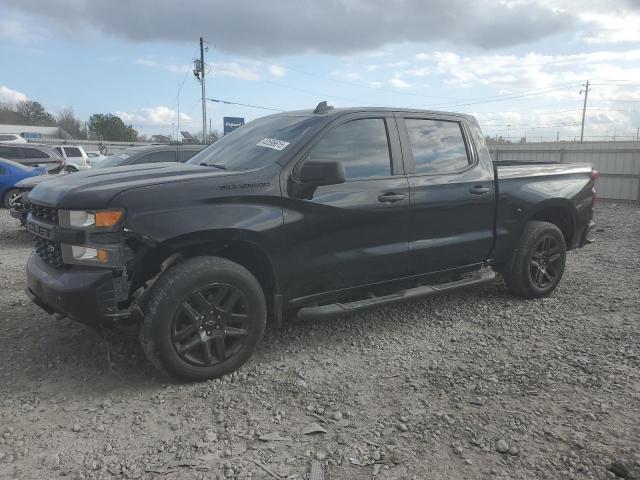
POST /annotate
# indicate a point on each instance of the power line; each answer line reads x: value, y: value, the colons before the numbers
x: 226, y: 102
x: 501, y: 98
x: 323, y: 95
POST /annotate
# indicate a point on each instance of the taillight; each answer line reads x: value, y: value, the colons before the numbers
x: 594, y: 176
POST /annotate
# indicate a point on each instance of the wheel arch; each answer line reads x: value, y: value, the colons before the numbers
x: 245, y: 248
x: 561, y: 213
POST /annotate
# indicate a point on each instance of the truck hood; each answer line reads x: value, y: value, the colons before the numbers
x: 92, y: 189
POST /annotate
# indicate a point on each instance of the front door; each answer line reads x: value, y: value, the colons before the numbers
x: 452, y: 194
x: 354, y: 233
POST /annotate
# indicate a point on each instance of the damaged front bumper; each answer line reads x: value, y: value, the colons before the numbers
x: 86, y: 294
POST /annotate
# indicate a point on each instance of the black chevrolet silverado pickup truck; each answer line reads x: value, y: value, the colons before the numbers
x: 309, y: 213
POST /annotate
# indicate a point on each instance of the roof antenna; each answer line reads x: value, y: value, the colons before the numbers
x: 323, y: 107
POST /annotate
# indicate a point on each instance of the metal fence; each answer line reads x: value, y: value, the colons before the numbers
x: 93, y: 145
x: 617, y: 162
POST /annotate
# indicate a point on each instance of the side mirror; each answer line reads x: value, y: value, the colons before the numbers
x: 322, y: 173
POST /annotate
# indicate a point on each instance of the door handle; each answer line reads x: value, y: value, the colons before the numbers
x: 390, y: 197
x: 479, y: 190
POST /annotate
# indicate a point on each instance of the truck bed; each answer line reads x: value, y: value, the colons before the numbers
x: 522, y: 169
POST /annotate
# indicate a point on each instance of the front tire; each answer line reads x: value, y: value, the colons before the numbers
x: 538, y: 262
x: 203, y: 318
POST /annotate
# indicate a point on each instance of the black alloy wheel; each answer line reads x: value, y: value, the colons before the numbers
x: 211, y: 325
x: 537, y: 262
x: 203, y: 318
x: 543, y: 267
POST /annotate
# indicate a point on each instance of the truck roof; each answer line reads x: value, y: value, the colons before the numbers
x: 328, y: 110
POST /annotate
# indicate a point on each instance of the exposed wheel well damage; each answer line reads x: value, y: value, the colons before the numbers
x: 561, y: 217
x: 150, y: 262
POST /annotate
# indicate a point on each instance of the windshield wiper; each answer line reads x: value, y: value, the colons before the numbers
x: 215, y: 165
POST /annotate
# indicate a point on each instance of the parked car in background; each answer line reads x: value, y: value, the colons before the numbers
x: 11, y: 138
x: 151, y: 154
x: 131, y: 156
x: 93, y: 158
x: 314, y: 213
x: 33, y: 155
x: 75, y: 158
x: 10, y: 174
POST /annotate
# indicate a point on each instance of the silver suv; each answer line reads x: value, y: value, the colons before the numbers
x: 31, y: 155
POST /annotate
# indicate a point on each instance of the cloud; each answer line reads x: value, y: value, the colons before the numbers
x: 277, y: 71
x: 145, y: 62
x: 399, y: 83
x: 249, y: 71
x: 300, y: 26
x: 612, y: 27
x: 154, y: 116
x: 8, y: 95
x: 509, y: 73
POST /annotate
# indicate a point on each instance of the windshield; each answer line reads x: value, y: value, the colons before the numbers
x: 256, y: 144
x: 114, y: 160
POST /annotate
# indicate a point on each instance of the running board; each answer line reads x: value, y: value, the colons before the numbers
x: 314, y: 313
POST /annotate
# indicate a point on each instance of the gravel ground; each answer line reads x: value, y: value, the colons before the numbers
x: 472, y: 385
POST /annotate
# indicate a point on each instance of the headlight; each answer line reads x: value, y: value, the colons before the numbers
x: 79, y: 218
x: 78, y: 254
x: 101, y: 218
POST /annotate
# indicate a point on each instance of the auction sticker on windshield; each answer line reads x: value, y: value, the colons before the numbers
x: 273, y: 143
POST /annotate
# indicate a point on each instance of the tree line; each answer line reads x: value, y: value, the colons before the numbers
x: 104, y: 127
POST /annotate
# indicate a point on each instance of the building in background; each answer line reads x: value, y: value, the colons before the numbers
x: 35, y: 133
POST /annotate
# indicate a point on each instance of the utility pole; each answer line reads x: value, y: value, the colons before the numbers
x: 584, y: 108
x: 638, y: 133
x: 198, y: 72
x: 204, y: 99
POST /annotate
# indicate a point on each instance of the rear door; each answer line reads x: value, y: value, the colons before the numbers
x: 354, y: 233
x: 452, y: 194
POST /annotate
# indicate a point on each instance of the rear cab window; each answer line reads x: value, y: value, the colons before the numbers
x: 157, y: 157
x: 438, y: 146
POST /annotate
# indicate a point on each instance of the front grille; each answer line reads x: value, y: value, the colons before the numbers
x: 48, y: 251
x: 48, y: 214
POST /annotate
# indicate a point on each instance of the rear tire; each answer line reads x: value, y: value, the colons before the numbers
x: 203, y: 318
x: 538, y: 262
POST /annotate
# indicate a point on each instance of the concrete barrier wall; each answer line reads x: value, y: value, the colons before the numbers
x: 617, y: 162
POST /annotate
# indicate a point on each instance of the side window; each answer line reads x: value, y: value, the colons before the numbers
x: 156, y: 157
x: 362, y: 146
x: 7, y: 138
x: 33, y: 153
x: 10, y: 153
x: 72, y: 152
x: 438, y: 146
x: 186, y: 154
x: 2, y: 172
